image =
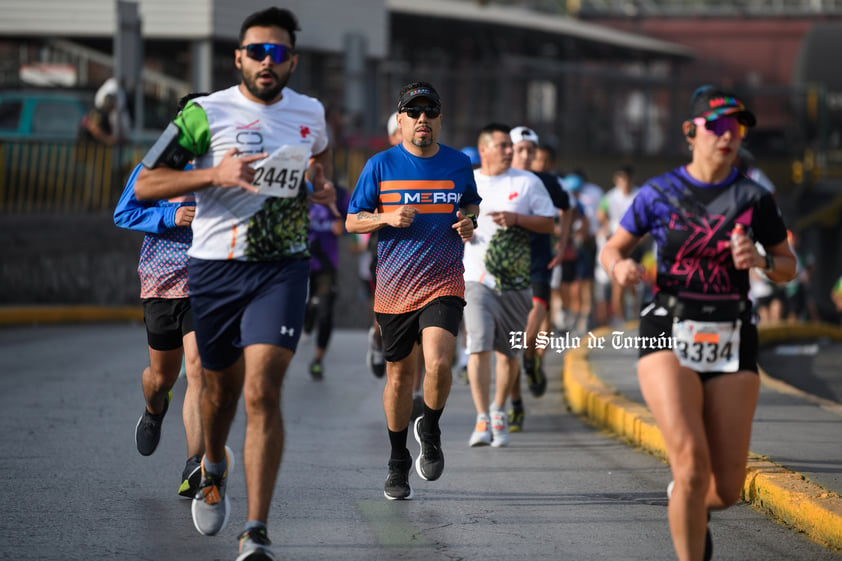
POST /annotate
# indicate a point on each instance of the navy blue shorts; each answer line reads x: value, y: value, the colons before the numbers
x: 586, y: 262
x: 241, y: 303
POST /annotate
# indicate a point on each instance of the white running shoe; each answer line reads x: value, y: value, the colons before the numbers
x: 499, y: 428
x: 482, y: 432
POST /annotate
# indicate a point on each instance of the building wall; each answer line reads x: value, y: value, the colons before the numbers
x: 98, y: 18
x: 757, y: 51
x: 324, y: 23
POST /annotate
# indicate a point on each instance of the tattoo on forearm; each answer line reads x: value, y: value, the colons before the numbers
x: 368, y: 217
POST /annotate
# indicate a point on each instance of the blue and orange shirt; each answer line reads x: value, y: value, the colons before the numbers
x: 424, y: 261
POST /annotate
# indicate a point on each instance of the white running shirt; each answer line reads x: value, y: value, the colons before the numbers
x: 512, y: 191
x: 234, y: 224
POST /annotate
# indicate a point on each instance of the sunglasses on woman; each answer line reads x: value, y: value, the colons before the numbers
x: 721, y: 125
x: 258, y: 51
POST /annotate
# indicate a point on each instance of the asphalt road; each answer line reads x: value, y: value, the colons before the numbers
x: 75, y: 487
x: 811, y: 366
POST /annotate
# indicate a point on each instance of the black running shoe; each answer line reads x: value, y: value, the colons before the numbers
x: 147, y: 433
x: 191, y: 477
x: 516, y: 418
x: 397, y: 482
x: 316, y: 370
x: 430, y: 462
x: 535, y: 375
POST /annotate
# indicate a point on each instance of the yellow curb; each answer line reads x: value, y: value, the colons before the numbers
x: 769, y: 487
x: 795, y: 500
x: 22, y: 315
x: 777, y: 332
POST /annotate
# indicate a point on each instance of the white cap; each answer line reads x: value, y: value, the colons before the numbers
x: 392, y: 123
x: 521, y: 134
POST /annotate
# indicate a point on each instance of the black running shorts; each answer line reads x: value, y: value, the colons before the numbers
x: 401, y: 332
x: 167, y: 321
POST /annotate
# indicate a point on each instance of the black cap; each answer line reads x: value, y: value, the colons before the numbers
x: 422, y: 91
x: 710, y: 102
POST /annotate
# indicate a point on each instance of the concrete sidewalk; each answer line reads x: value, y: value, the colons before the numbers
x: 795, y: 467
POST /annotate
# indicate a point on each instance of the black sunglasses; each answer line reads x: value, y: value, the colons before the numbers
x: 258, y: 51
x: 414, y: 112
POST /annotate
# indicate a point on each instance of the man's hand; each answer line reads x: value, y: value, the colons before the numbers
x: 504, y: 218
x: 184, y: 215
x: 401, y: 217
x: 464, y: 227
x: 234, y: 171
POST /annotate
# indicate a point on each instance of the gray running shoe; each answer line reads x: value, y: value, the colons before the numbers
x: 430, y: 462
x: 254, y: 546
x: 147, y: 433
x: 210, y: 505
x: 397, y: 482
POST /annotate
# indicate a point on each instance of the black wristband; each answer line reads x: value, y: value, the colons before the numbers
x: 770, y: 263
x: 473, y: 219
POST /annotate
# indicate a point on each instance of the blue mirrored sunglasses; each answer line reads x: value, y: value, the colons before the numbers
x: 258, y: 51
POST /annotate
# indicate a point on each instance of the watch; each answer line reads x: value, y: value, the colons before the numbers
x: 473, y: 219
x: 770, y: 263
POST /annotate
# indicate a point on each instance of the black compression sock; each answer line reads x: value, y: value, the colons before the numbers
x: 430, y: 420
x: 398, y: 442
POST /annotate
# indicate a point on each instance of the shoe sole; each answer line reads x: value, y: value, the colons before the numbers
x: 256, y: 556
x: 406, y: 498
x: 420, y: 453
x: 230, y: 456
x: 479, y: 443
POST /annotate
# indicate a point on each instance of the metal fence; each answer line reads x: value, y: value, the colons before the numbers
x: 62, y: 176
x: 59, y: 177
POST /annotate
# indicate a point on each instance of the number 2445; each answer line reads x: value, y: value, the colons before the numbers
x: 283, y: 178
